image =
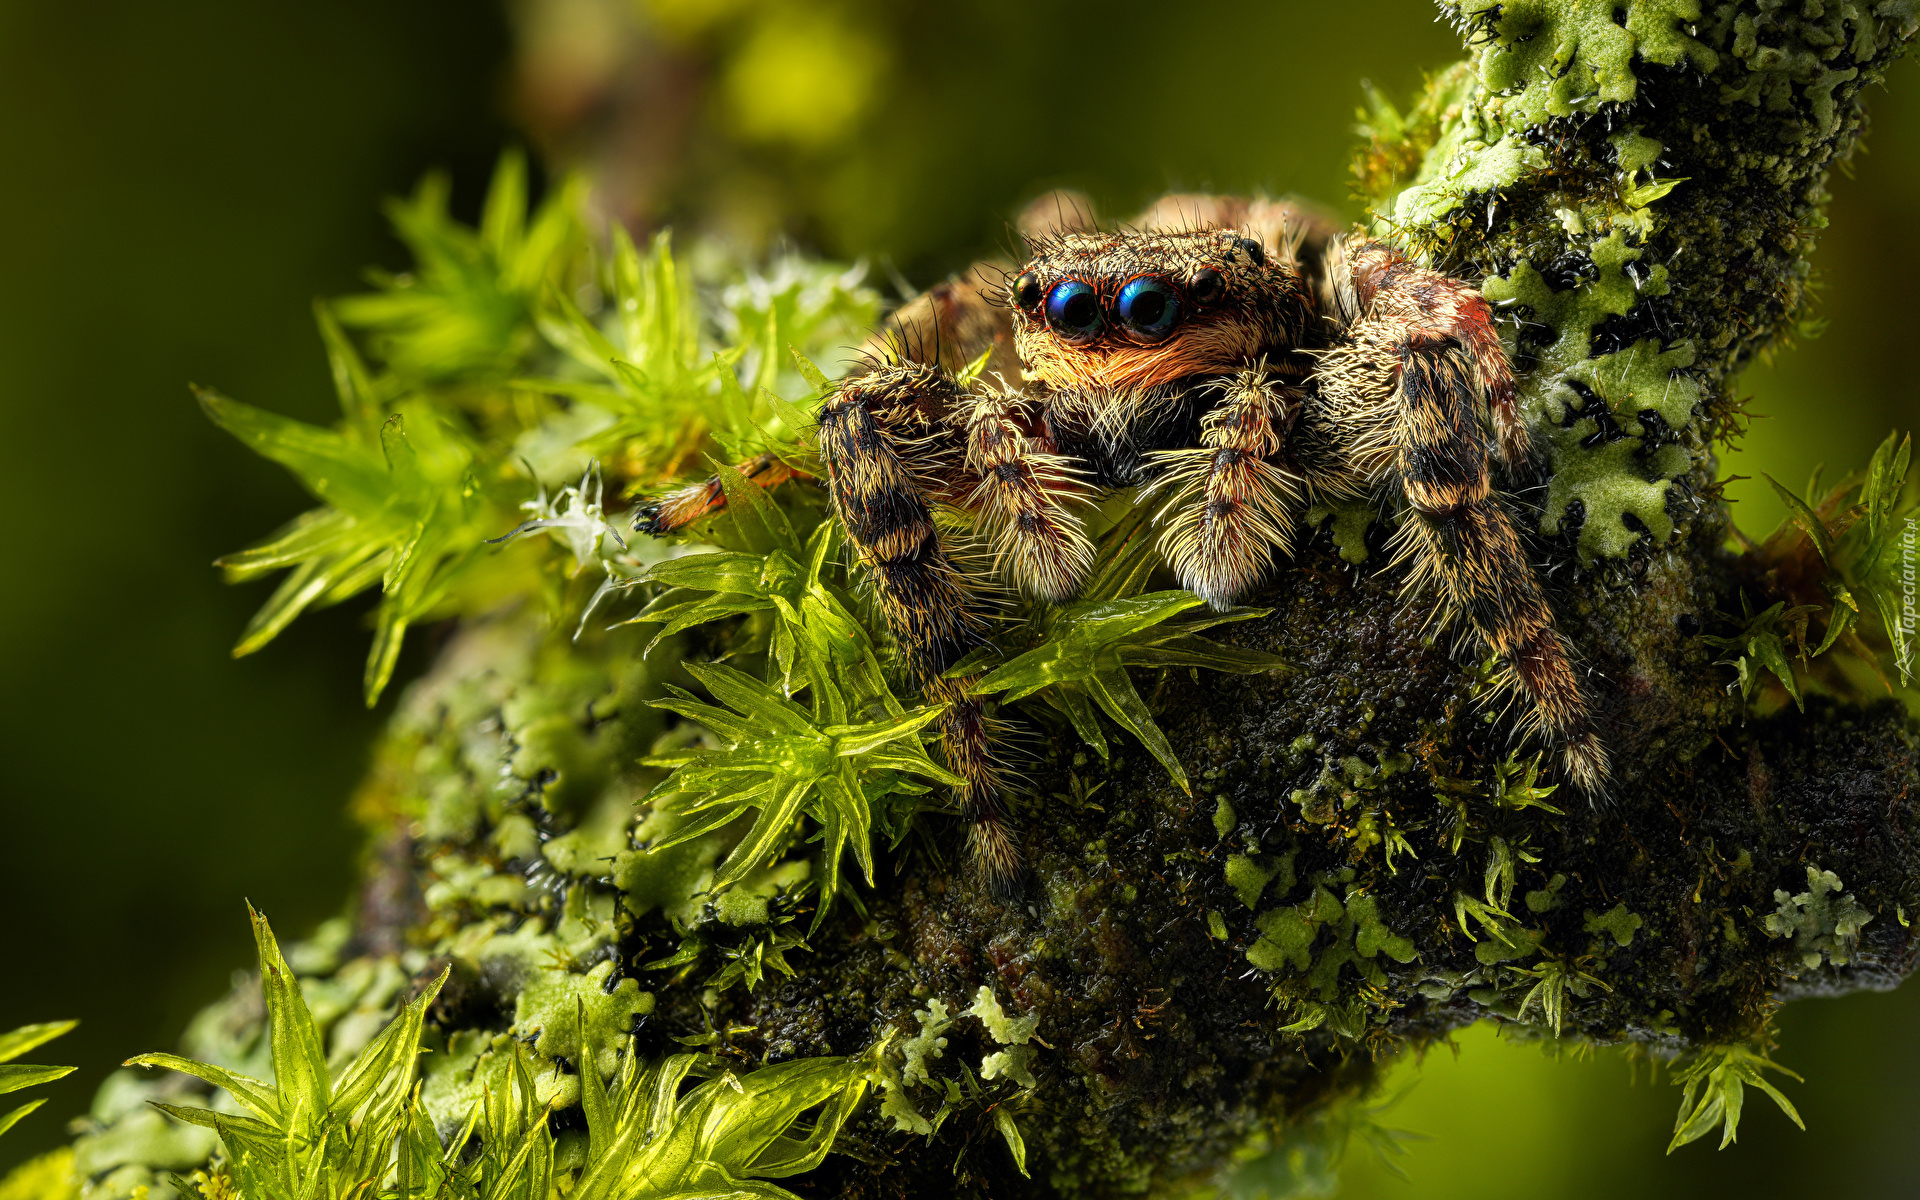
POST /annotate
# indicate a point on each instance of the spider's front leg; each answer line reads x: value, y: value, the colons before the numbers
x: 1404, y: 393
x: 1231, y: 508
x: 884, y: 437
x: 674, y: 511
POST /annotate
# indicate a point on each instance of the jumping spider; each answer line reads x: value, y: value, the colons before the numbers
x: 1228, y: 357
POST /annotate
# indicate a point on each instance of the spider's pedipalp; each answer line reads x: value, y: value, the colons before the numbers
x: 1232, y: 499
x: 1022, y: 500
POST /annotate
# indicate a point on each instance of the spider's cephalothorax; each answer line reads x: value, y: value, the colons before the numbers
x: 1229, y: 365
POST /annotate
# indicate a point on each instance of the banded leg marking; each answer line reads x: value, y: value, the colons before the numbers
x: 921, y: 593
x: 1022, y: 498
x: 1463, y: 540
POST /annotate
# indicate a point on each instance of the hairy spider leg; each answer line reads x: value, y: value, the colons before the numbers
x: 883, y: 504
x: 1022, y: 499
x: 1462, y: 538
x: 1403, y: 392
x: 679, y: 508
x: 1232, y: 496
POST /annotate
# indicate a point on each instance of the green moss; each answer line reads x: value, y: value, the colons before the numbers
x: 1616, y: 922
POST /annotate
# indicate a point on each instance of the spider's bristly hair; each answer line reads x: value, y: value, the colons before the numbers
x: 883, y: 505
x: 1463, y: 541
x: 1231, y: 496
x: 1023, y: 500
x: 967, y: 740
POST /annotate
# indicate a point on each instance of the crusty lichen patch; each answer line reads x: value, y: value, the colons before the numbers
x: 1581, y: 116
x: 1554, y: 58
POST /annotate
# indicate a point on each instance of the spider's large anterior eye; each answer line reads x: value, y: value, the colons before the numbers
x: 1149, y: 308
x: 1206, y: 286
x: 1073, y: 309
x: 1026, y: 291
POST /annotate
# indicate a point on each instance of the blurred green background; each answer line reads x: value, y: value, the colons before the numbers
x: 187, y: 177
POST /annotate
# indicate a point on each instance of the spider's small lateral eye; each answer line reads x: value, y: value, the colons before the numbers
x: 1073, y: 309
x: 1207, y: 285
x: 1026, y: 291
x: 1149, y: 308
x: 1254, y: 250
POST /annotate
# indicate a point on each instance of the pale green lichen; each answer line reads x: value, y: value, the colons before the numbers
x: 1823, y: 923
x: 1012, y: 1063
x: 1351, y: 782
x: 1348, y: 519
x: 1617, y: 478
x: 1634, y: 151
x: 1248, y: 876
x: 1223, y: 817
x: 916, y: 1053
x: 1542, y: 60
x: 1008, y: 1031
x: 925, y: 1046
x: 1472, y: 168
x: 1553, y: 58
x: 550, y: 1006
x: 1792, y: 48
x: 1546, y: 899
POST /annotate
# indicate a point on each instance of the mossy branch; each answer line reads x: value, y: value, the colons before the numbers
x: 1251, y: 855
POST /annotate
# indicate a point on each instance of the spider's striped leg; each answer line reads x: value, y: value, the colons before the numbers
x: 677, y: 509
x: 1375, y: 284
x: 1462, y: 538
x: 1232, y: 495
x: 1023, y: 498
x: 868, y: 428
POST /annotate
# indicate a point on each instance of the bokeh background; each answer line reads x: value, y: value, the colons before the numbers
x: 185, y: 178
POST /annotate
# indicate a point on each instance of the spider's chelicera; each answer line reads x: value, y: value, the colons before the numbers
x: 1230, y: 359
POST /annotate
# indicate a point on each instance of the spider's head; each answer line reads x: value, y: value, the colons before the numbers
x: 1127, y: 311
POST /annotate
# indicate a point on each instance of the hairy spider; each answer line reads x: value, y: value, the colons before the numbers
x: 1230, y: 358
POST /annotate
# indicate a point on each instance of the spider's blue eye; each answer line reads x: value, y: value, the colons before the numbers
x: 1073, y: 309
x: 1149, y: 308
